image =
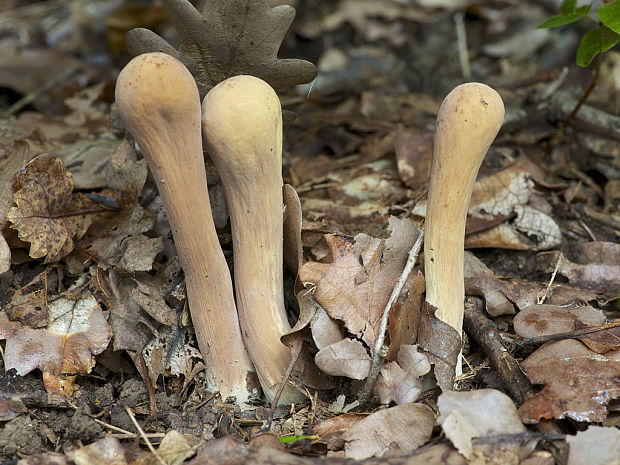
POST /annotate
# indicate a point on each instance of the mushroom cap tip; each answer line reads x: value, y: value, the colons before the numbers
x: 151, y: 79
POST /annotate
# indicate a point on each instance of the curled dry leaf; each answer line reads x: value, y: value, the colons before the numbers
x: 77, y: 331
x: 347, y: 357
x: 357, y: 285
x: 500, y: 293
x: 398, y: 430
x: 225, y: 39
x: 330, y: 431
x: 483, y: 414
x: 10, y: 163
x: 47, y: 214
x: 508, y: 195
x: 138, y: 253
x: 578, y: 382
x: 401, y: 381
x: 601, y: 273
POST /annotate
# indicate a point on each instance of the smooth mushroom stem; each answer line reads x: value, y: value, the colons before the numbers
x: 242, y: 131
x: 159, y: 102
x: 468, y: 121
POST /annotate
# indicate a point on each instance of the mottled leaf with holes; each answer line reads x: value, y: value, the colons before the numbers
x: 225, y: 39
x: 47, y: 214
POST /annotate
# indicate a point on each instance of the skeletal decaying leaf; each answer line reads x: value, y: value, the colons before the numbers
x: 502, y: 213
x: 579, y: 383
x: 225, y: 39
x: 472, y: 419
x: 77, y: 331
x: 168, y: 354
x: 47, y: 214
x: 401, y: 429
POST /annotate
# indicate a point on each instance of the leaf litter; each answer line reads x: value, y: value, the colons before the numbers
x: 359, y: 158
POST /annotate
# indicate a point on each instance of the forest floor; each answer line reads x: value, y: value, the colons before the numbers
x: 100, y: 362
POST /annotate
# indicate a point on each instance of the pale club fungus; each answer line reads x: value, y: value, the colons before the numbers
x: 159, y: 102
x: 242, y: 129
x: 468, y: 121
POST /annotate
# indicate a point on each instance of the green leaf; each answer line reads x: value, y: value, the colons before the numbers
x: 610, y: 16
x: 289, y: 439
x: 559, y: 20
x: 594, y: 42
x: 568, y: 14
x: 568, y: 6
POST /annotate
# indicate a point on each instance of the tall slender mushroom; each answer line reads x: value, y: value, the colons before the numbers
x: 468, y: 121
x: 158, y: 100
x: 242, y: 130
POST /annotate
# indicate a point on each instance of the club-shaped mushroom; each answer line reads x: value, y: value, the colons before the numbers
x: 159, y: 102
x: 467, y: 123
x: 242, y: 130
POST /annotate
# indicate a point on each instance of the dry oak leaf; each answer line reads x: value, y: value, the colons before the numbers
x: 578, y: 382
x: 77, y: 331
x: 357, y: 285
x: 397, y: 430
x: 225, y: 39
x: 47, y: 214
x: 484, y: 426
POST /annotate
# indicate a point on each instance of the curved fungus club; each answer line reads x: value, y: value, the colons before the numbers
x: 158, y: 100
x: 242, y: 131
x: 468, y: 121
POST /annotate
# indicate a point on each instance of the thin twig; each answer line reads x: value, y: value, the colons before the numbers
x: 32, y: 96
x: 576, y: 334
x: 296, y: 353
x: 377, y: 356
x: 144, y: 437
x: 461, y: 39
x: 543, y: 297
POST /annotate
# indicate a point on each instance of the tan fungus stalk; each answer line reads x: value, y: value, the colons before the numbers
x: 158, y: 100
x: 467, y: 123
x: 242, y: 130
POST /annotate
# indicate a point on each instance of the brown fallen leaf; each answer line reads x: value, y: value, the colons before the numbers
x: 502, y: 292
x: 10, y: 163
x: 47, y: 214
x: 330, y: 431
x: 347, y: 357
x: 225, y: 39
x: 397, y: 430
x: 138, y: 253
x: 404, y: 319
x: 484, y: 414
x: 230, y: 451
x: 600, y: 274
x: 547, y: 320
x: 578, y: 382
x: 481, y: 281
x: 401, y: 381
x: 414, y: 150
x: 357, y: 285
x: 77, y: 331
